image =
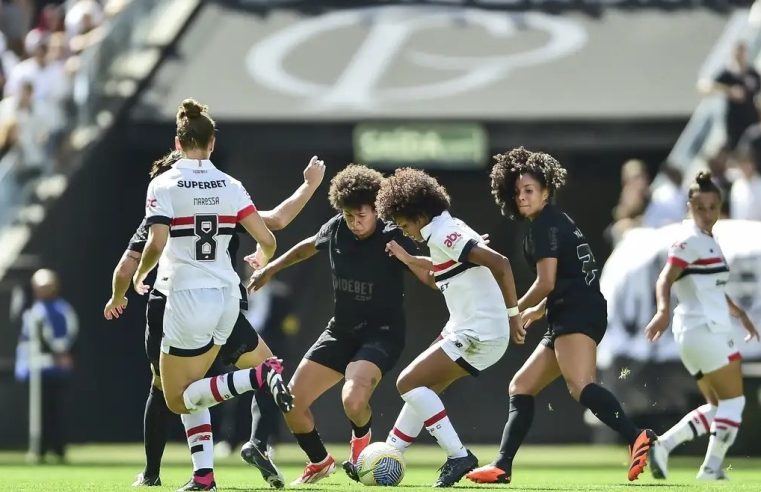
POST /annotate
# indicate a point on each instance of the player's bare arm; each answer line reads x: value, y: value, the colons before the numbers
x: 737, y: 312
x: 120, y: 281
x: 420, y: 266
x: 158, y: 235
x: 303, y: 250
x: 660, y: 321
x: 282, y: 215
x: 546, y: 273
x: 265, y: 240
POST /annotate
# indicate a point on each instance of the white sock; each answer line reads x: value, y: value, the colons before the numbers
x: 694, y: 424
x: 406, y: 428
x: 723, y: 431
x: 427, y: 404
x: 207, y: 392
x: 200, y: 440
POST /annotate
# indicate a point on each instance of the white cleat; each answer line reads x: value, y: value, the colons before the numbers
x: 659, y: 461
x: 709, y: 474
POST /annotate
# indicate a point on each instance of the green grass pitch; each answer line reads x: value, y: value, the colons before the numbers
x: 597, y: 468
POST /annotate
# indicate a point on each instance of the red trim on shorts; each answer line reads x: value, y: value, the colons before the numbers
x: 728, y: 422
x: 735, y: 356
x: 401, y: 435
x: 435, y: 418
x: 444, y: 266
x: 201, y: 429
x: 245, y: 212
x: 708, y: 261
x: 215, y: 390
x: 704, y: 420
x: 677, y: 262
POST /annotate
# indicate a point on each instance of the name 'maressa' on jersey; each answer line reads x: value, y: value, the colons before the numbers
x: 201, y: 205
x: 470, y: 290
x: 700, y: 287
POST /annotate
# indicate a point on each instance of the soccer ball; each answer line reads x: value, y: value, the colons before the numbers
x: 380, y: 464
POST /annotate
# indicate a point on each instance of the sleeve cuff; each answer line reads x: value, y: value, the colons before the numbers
x: 677, y: 262
x: 463, y: 258
x: 245, y: 212
x: 158, y: 219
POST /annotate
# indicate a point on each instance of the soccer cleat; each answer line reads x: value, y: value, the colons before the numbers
x: 143, y: 481
x: 314, y: 472
x: 193, y: 485
x: 358, y: 444
x: 638, y: 453
x: 709, y: 474
x: 351, y: 470
x: 255, y: 457
x: 489, y: 474
x: 454, y: 469
x: 269, y: 375
x: 659, y: 460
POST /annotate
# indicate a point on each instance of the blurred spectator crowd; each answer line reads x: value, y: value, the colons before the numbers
x: 40, y: 44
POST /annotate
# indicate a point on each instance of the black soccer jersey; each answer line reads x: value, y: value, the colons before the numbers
x: 368, y: 284
x: 553, y: 234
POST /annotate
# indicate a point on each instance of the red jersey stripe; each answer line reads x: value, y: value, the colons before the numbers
x: 678, y: 262
x: 243, y: 213
x: 223, y: 219
x: 444, y: 266
x: 708, y: 261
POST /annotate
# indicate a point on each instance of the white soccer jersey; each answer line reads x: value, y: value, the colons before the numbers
x: 700, y: 287
x: 473, y: 296
x: 202, y: 206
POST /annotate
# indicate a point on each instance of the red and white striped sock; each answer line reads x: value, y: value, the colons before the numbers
x: 724, y: 431
x: 427, y: 404
x: 208, y: 392
x: 201, y: 443
x: 406, y: 428
x: 694, y: 424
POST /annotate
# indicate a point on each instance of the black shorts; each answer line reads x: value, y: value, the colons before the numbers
x: 242, y: 339
x: 589, y: 319
x: 336, y: 348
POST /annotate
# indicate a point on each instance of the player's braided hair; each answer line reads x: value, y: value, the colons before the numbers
x: 194, y: 125
x: 703, y: 184
x: 411, y: 193
x: 354, y: 186
x: 165, y: 163
x: 509, y: 166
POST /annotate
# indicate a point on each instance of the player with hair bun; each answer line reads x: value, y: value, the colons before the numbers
x: 567, y: 290
x: 478, y: 286
x: 697, y: 271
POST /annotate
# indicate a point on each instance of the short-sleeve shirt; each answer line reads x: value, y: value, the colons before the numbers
x: 202, y: 206
x: 553, y: 234
x: 368, y: 284
x: 744, y: 112
x: 470, y: 291
x: 700, y: 287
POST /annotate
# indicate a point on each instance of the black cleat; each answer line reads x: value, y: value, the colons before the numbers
x: 454, y: 469
x: 193, y: 485
x: 351, y: 470
x: 145, y: 481
x: 255, y: 457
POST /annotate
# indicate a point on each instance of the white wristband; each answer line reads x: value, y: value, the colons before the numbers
x: 513, y: 311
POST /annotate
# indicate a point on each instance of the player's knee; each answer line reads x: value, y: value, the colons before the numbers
x: 575, y: 387
x: 519, y: 386
x: 405, y: 382
x: 355, y: 404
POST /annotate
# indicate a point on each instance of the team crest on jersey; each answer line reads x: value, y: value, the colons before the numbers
x: 679, y: 245
x: 451, y: 239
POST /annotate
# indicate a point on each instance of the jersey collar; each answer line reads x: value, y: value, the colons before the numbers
x: 426, y: 230
x: 194, y: 164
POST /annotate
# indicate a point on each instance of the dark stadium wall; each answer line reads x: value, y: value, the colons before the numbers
x: 86, y: 232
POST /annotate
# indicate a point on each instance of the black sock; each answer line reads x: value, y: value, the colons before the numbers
x: 154, y: 431
x: 265, y: 419
x: 606, y: 407
x: 312, y: 445
x: 519, y: 420
x: 361, y: 430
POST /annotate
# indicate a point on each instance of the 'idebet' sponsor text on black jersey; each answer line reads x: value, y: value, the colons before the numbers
x: 368, y: 284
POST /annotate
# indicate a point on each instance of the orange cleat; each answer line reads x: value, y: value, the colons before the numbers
x: 638, y: 453
x: 358, y: 444
x: 314, y: 472
x: 488, y: 474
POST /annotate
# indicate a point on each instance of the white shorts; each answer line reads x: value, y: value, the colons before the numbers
x: 704, y: 351
x: 470, y: 353
x: 196, y: 319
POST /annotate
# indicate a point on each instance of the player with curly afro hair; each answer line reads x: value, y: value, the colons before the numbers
x: 366, y: 335
x: 477, y: 283
x: 567, y: 290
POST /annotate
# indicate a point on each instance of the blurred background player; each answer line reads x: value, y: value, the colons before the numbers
x: 698, y: 271
x: 54, y: 324
x: 479, y: 289
x: 567, y: 290
x: 365, y: 337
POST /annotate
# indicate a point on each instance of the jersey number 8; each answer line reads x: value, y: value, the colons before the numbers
x: 206, y: 227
